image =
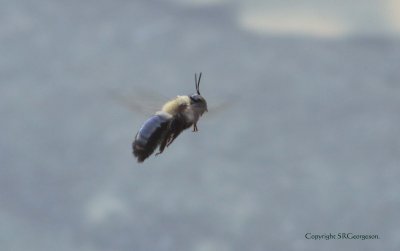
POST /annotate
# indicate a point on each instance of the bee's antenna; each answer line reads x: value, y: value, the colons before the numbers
x: 197, y: 82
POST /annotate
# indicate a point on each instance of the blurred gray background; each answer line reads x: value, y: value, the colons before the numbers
x: 309, y: 141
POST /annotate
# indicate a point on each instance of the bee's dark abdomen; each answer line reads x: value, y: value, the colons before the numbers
x: 149, y: 136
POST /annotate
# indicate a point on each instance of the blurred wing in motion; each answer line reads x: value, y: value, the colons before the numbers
x: 216, y: 109
x: 141, y: 101
x: 148, y: 102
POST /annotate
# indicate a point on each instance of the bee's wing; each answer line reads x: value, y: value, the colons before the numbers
x: 219, y: 106
x: 148, y: 102
x: 141, y: 101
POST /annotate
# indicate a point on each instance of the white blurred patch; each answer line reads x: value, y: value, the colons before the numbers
x: 103, y: 206
x: 321, y: 18
x: 291, y: 23
x: 393, y: 13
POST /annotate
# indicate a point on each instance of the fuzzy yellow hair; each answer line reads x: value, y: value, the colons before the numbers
x: 176, y: 105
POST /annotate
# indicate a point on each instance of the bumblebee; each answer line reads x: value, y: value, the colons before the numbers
x: 164, y: 126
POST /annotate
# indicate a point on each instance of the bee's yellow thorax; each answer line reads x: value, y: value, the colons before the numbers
x: 176, y: 105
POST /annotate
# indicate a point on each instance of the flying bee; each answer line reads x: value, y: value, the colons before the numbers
x: 165, y: 125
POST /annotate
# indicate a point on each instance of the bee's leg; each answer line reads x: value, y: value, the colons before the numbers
x: 170, y: 140
x: 162, y: 145
x: 173, y: 137
x: 195, y: 127
x: 177, y: 126
x: 165, y: 138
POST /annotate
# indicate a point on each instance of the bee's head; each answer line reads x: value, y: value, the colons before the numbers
x: 196, y: 100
